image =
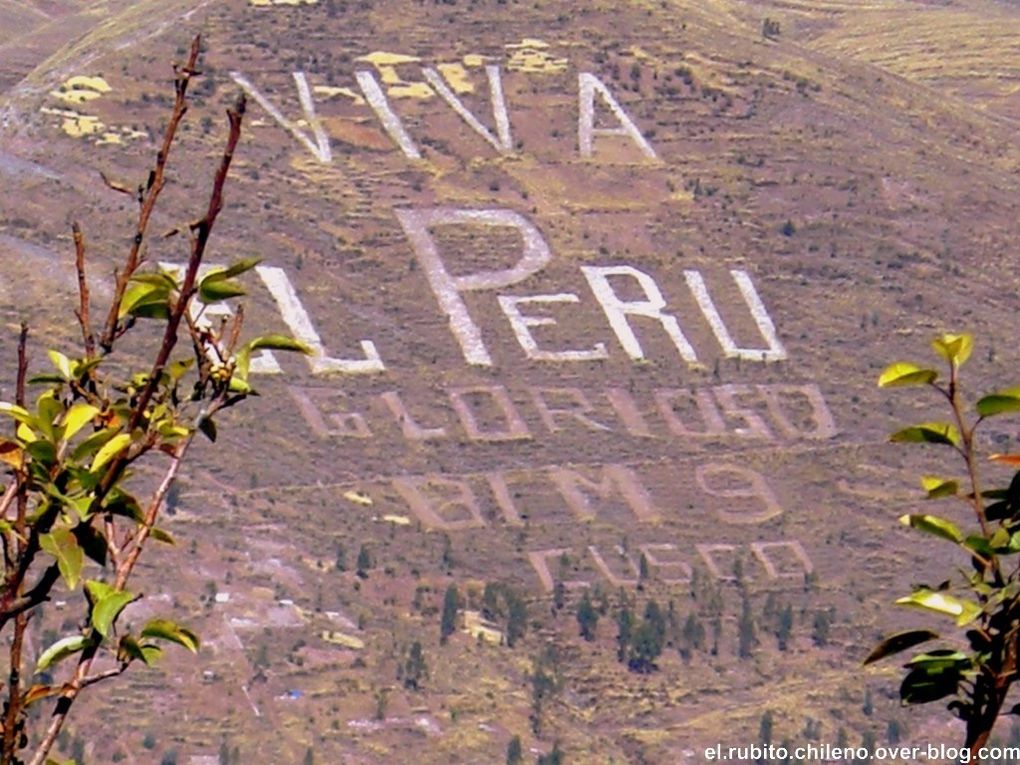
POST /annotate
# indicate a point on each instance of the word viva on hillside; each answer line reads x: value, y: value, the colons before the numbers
x: 318, y: 142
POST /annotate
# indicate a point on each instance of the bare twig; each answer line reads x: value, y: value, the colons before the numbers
x: 202, y: 230
x: 83, y: 292
x: 150, y: 194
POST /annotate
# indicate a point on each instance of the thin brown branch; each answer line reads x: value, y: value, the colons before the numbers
x: 151, y: 514
x: 19, y: 391
x: 100, y: 676
x: 150, y: 194
x: 63, y: 706
x: 202, y: 231
x: 14, y: 584
x: 83, y: 292
x: 39, y: 593
x: 14, y: 703
x: 110, y: 527
x: 22, y: 495
x: 235, y: 331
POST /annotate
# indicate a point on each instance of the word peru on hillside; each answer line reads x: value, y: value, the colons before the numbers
x: 448, y: 288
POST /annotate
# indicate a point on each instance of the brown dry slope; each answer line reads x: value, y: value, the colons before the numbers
x: 679, y: 368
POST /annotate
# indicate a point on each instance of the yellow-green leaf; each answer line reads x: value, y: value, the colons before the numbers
x: 215, y: 288
x: 164, y: 629
x: 999, y: 403
x: 61, y: 544
x: 17, y: 412
x: 61, y: 362
x: 937, y: 487
x: 106, y: 611
x: 130, y: 648
x: 904, y: 373
x: 25, y: 433
x: 77, y: 417
x: 932, y: 524
x: 61, y: 650
x: 110, y: 449
x: 954, y: 348
x: 162, y: 536
x: 964, y: 611
x: 140, y: 294
x: 928, y: 432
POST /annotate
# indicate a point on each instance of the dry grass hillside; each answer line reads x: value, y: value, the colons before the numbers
x: 857, y: 167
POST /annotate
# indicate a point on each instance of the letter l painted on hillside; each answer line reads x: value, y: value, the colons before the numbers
x: 300, y: 324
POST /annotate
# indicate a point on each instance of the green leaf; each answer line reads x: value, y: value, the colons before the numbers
x: 267, y: 342
x: 933, y: 524
x: 43, y: 452
x: 90, y: 539
x: 903, y: 373
x: 61, y: 650
x: 162, y: 536
x: 179, y: 368
x: 106, y: 611
x: 45, y: 377
x: 237, y: 385
x: 164, y: 629
x: 978, y: 544
x: 61, y: 544
x: 999, y: 403
x: 93, y: 443
x: 940, y: 487
x: 965, y: 611
x: 237, y: 268
x: 212, y: 289
x: 934, y: 661
x: 95, y: 591
x: 18, y: 413
x: 901, y: 641
x: 129, y: 648
x: 921, y: 686
x: 161, y: 279
x: 279, y: 343
x: 121, y: 503
x: 110, y: 449
x: 928, y: 433
x: 208, y: 428
x: 61, y: 362
x: 83, y: 366
x: 954, y: 348
x: 77, y: 417
x: 140, y: 293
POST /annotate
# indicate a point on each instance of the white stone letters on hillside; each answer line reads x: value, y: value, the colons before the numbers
x: 320, y: 147
x: 589, y: 86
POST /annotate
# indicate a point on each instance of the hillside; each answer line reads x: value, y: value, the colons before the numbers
x: 589, y: 283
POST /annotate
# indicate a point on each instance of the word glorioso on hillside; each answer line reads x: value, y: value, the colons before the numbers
x: 629, y: 298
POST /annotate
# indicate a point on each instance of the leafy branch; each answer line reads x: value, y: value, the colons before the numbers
x: 977, y: 672
x: 68, y: 498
